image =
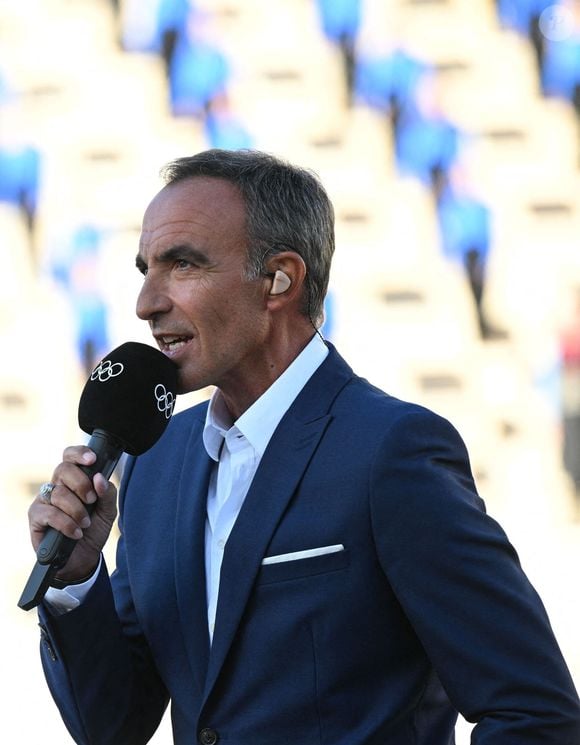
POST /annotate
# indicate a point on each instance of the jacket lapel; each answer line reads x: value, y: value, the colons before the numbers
x: 190, y: 552
x: 283, y: 464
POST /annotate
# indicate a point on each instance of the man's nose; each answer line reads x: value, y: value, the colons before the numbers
x: 152, y: 299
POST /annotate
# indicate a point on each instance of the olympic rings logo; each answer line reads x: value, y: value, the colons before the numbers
x: 106, y: 370
x: 165, y: 400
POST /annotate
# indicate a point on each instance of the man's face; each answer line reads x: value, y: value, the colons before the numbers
x: 204, y: 314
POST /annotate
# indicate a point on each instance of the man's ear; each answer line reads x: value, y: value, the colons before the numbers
x: 286, y: 273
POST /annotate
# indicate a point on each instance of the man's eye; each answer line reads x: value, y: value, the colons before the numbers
x: 183, y: 264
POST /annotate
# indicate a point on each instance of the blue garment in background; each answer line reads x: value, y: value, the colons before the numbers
x: 224, y: 130
x: 465, y: 226
x: 519, y: 14
x: 76, y: 269
x: 199, y: 72
x: 561, y: 67
x: 19, y: 177
x: 424, y: 145
x: 390, y: 80
x: 339, y: 18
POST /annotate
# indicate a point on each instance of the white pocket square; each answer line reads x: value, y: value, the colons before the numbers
x: 294, y: 555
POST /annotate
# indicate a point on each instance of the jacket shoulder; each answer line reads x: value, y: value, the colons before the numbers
x: 373, y: 404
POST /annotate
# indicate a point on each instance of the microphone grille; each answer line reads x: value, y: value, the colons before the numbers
x: 130, y: 395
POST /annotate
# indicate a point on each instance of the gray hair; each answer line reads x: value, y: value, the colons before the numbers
x: 287, y: 209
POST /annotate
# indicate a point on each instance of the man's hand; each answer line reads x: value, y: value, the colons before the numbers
x: 67, y: 512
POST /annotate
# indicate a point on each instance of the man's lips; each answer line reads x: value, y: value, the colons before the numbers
x: 172, y: 343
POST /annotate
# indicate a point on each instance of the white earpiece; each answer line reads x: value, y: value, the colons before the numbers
x: 280, y: 283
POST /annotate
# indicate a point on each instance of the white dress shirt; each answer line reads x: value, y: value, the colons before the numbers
x: 237, y: 448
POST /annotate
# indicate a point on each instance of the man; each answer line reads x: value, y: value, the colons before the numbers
x: 305, y: 560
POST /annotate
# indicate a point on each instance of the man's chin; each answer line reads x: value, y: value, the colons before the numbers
x: 185, y: 384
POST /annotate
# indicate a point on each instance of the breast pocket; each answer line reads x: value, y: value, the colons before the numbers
x: 298, y: 568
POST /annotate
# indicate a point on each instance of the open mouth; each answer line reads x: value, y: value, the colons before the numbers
x: 172, y: 344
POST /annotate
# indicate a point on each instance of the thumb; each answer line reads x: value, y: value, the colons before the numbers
x: 107, y: 494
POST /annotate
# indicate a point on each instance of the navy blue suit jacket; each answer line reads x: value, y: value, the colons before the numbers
x: 425, y: 612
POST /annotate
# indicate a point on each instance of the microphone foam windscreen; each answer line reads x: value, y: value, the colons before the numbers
x: 130, y: 395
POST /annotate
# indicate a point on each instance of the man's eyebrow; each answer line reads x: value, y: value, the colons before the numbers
x: 140, y: 264
x: 175, y: 253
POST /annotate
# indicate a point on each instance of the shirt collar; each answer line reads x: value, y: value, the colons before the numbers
x: 258, y: 423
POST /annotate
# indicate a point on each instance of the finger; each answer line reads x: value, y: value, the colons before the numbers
x: 68, y: 501
x: 70, y: 476
x: 42, y: 516
x: 79, y: 454
x: 104, y: 489
x: 107, y: 494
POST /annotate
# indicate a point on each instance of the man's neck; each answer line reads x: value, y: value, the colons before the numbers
x: 239, y: 400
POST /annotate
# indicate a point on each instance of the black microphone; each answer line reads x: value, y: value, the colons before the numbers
x: 125, y: 406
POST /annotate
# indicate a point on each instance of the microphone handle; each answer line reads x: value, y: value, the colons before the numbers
x: 56, y: 548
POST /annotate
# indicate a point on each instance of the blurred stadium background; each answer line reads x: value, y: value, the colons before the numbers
x: 447, y: 133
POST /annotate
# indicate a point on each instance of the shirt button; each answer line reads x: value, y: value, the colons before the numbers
x: 221, y: 543
x: 208, y: 736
